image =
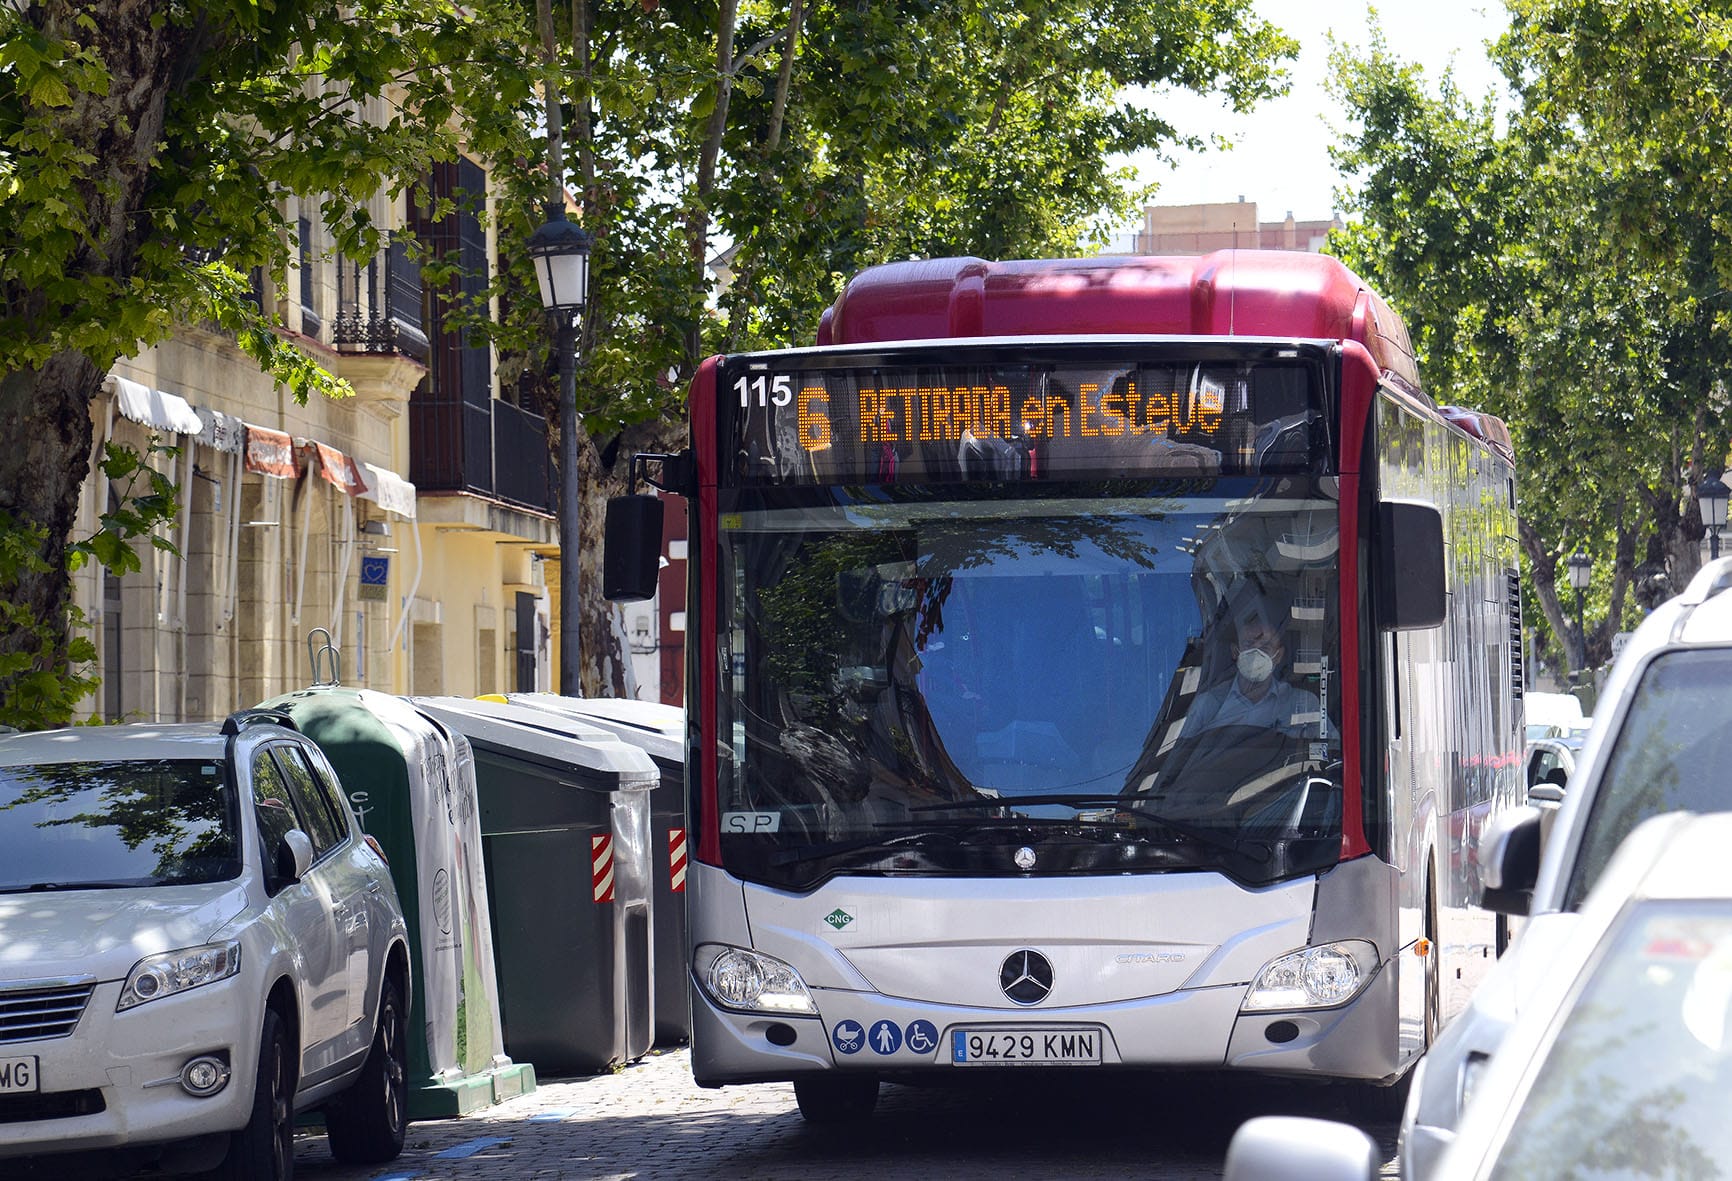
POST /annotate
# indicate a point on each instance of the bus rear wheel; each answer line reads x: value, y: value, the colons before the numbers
x: 835, y: 1099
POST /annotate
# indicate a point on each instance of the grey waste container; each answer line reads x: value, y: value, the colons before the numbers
x: 565, y: 835
x: 660, y: 731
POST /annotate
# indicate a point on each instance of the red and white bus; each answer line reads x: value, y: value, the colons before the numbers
x: 1102, y: 664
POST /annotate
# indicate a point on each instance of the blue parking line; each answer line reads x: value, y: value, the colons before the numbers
x: 551, y: 1116
x: 470, y: 1148
x: 397, y: 1177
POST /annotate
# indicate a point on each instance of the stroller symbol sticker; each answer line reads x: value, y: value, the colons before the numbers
x: 848, y: 1037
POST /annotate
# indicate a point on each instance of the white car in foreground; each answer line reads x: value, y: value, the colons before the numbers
x: 1619, y: 1062
x: 196, y: 943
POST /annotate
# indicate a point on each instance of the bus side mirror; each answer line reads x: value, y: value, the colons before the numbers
x: 1411, y: 585
x: 631, y: 548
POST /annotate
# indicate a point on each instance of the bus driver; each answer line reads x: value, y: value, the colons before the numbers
x: 1254, y: 695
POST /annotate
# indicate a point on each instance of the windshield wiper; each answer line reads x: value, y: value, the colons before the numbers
x: 897, y: 834
x: 1118, y: 802
x: 46, y: 887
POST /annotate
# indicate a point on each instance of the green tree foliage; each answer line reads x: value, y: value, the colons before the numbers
x: 1550, y: 278
x: 140, y: 138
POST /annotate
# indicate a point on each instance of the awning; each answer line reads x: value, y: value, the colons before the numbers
x: 222, y: 431
x: 271, y: 453
x: 155, y: 409
x: 387, y: 489
x: 336, y: 468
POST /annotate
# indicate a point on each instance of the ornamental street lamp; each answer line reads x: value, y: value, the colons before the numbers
x: 1581, y: 569
x: 560, y: 251
x: 1711, y: 497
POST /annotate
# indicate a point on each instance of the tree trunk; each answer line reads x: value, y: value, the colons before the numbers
x: 45, y: 411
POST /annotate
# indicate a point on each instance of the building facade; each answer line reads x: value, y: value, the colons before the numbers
x: 1225, y: 225
x: 394, y: 540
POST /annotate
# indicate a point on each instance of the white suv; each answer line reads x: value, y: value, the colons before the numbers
x: 196, y: 942
x: 1660, y: 741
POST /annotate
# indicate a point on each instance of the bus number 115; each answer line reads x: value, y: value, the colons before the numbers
x: 771, y: 391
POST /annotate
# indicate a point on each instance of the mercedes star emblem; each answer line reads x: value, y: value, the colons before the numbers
x: 1024, y: 858
x: 1026, y: 977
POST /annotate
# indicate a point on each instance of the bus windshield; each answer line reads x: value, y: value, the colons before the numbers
x: 1056, y: 679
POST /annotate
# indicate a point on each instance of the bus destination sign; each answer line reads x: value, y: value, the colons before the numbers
x: 1077, y: 419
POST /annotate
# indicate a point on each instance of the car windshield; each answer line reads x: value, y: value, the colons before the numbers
x: 1670, y: 755
x: 929, y: 683
x: 91, y: 825
x: 1635, y: 1082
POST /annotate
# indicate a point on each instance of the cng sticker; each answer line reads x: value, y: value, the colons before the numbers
x: 838, y: 918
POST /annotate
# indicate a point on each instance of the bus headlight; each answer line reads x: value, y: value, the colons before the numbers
x: 1312, y: 977
x: 752, y: 981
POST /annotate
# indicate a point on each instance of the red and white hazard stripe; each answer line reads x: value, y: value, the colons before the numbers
x: 677, y: 859
x: 601, y: 866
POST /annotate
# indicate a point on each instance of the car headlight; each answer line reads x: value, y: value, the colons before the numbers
x: 1313, y: 977
x: 750, y: 980
x: 176, y: 971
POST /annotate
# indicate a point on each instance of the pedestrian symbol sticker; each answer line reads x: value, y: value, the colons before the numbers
x: 838, y: 918
x: 848, y: 1037
x: 886, y: 1037
x: 922, y: 1037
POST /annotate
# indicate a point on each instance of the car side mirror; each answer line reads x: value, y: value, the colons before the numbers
x: 631, y: 548
x: 294, y: 857
x: 1411, y: 584
x: 1550, y: 790
x: 1281, y: 1147
x: 1509, y: 860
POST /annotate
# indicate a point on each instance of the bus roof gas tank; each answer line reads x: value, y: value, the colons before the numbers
x: 1258, y: 293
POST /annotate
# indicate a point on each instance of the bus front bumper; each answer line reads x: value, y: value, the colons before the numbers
x: 1196, y: 1029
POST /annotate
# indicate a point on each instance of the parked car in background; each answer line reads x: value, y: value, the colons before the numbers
x: 196, y: 943
x: 1552, y: 760
x: 1620, y: 1062
x: 1661, y: 741
x: 1553, y: 715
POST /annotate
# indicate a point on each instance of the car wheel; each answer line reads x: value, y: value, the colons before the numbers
x: 834, y: 1099
x: 366, y: 1123
x: 264, y: 1150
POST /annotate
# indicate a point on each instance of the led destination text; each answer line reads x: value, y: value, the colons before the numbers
x: 939, y: 414
x: 945, y: 413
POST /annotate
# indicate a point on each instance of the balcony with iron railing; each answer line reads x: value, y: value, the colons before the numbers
x: 379, y: 305
x: 378, y: 330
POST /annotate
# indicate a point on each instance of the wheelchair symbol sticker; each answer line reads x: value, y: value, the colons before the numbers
x: 922, y: 1037
x: 848, y: 1037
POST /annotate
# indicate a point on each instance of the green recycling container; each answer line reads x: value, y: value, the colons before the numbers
x: 411, y: 783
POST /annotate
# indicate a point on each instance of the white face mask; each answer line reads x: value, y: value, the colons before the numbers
x: 1256, y: 665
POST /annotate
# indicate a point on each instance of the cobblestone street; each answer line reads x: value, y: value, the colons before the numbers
x: 650, y: 1120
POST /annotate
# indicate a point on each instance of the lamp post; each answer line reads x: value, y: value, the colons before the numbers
x: 1711, y: 497
x: 560, y: 251
x: 1581, y: 569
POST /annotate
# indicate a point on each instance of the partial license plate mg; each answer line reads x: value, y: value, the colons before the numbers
x: 1026, y: 1047
x: 17, y: 1075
